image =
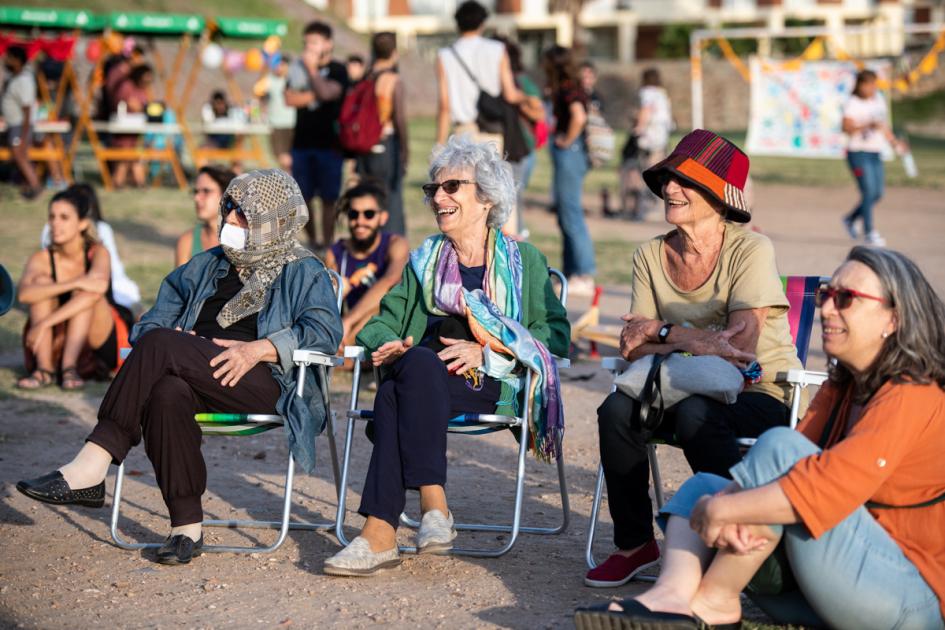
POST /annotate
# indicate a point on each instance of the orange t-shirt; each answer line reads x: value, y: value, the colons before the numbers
x: 893, y: 455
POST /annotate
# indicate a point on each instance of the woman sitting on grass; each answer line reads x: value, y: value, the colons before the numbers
x: 72, y: 330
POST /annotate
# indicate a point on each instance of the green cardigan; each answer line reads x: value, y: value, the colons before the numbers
x: 403, y: 314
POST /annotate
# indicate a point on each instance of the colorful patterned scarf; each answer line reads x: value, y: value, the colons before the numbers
x: 275, y: 211
x: 494, y: 314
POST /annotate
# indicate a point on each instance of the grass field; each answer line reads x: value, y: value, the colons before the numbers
x: 148, y: 222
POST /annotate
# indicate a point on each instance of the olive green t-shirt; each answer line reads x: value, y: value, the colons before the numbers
x: 745, y: 277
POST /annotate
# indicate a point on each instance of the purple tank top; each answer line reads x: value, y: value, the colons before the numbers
x: 364, y: 277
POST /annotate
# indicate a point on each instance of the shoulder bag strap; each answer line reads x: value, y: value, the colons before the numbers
x: 651, y: 398
x: 466, y: 68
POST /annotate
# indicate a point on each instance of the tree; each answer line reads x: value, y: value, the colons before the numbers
x: 573, y: 8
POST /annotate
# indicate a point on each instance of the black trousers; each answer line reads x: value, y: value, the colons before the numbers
x: 705, y: 429
x: 163, y: 383
x: 411, y: 412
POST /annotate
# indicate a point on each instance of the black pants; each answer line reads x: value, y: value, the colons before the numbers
x: 163, y: 383
x: 705, y: 429
x: 411, y: 412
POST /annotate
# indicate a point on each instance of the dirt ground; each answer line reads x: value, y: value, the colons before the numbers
x: 58, y: 568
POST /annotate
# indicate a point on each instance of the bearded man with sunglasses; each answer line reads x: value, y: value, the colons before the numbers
x: 370, y: 261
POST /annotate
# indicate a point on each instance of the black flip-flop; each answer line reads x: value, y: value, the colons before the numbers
x: 634, y: 616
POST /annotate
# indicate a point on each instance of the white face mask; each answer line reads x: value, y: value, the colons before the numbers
x: 233, y: 236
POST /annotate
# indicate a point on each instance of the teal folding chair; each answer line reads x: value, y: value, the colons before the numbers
x: 466, y: 424
x: 800, y: 292
x: 240, y: 424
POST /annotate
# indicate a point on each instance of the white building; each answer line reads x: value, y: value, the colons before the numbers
x: 626, y: 30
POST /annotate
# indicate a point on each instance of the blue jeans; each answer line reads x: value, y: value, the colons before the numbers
x: 867, y: 168
x: 853, y: 576
x: 570, y: 167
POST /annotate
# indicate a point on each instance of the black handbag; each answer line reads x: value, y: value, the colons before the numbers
x: 491, y: 109
x: 495, y: 115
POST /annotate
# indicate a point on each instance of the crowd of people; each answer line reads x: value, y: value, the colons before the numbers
x: 848, y: 510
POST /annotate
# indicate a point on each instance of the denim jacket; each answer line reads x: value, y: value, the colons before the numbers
x: 300, y: 312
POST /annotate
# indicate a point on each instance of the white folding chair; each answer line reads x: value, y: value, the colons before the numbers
x: 467, y: 424
x: 223, y: 424
x: 800, y: 291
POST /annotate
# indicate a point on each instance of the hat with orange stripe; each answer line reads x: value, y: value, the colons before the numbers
x: 710, y: 162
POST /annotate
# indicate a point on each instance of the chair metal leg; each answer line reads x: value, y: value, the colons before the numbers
x: 592, y: 524
x: 283, y: 525
x: 595, y: 512
x: 343, y: 492
x: 116, y: 507
x: 514, y: 529
x: 657, y: 478
x: 330, y: 427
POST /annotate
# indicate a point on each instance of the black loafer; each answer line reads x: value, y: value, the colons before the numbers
x: 52, y: 488
x: 179, y: 549
x: 634, y: 616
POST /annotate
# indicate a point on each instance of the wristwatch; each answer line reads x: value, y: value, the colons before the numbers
x: 664, y: 333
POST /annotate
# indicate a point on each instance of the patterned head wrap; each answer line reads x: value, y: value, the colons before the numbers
x: 275, y: 211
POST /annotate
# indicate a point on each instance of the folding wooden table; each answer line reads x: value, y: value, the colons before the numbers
x: 234, y: 28
x: 104, y: 155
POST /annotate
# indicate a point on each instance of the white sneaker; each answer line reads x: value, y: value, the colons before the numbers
x: 436, y: 533
x: 874, y: 238
x: 581, y: 286
x: 358, y: 560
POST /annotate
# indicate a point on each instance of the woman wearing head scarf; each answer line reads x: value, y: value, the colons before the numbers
x: 472, y: 303
x: 220, y: 338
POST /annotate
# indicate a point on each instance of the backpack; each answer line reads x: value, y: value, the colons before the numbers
x: 359, y: 125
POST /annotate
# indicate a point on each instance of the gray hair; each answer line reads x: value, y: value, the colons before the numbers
x: 915, y: 352
x: 495, y: 183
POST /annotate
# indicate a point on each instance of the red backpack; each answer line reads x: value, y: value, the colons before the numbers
x: 359, y: 125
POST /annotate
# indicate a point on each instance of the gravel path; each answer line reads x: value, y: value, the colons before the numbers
x: 58, y: 568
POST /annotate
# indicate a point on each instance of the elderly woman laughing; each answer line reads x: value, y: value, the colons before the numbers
x: 437, y: 337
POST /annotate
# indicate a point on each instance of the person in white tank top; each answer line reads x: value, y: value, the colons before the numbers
x: 485, y: 59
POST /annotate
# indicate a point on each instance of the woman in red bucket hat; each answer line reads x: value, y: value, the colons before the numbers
x: 708, y: 287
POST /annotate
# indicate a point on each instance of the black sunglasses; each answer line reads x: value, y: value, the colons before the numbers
x: 450, y: 186
x: 229, y: 205
x: 842, y: 298
x: 368, y: 214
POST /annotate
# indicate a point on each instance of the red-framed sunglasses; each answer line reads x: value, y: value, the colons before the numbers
x: 842, y: 297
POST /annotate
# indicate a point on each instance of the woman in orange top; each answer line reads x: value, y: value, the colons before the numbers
x: 856, y: 496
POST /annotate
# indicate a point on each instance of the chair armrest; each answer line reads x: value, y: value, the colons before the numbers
x: 355, y: 352
x: 805, y: 377
x: 314, y: 357
x: 614, y: 364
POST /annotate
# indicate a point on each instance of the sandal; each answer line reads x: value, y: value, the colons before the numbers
x: 38, y: 379
x: 71, y: 381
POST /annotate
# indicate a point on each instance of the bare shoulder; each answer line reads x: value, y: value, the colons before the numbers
x: 38, y: 262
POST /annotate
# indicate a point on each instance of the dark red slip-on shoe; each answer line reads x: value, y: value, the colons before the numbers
x: 617, y: 570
